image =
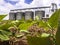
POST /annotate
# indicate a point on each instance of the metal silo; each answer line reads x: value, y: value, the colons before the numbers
x: 19, y: 15
x: 28, y: 15
x: 12, y: 16
x: 40, y: 14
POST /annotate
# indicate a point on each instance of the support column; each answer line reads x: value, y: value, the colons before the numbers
x: 34, y: 15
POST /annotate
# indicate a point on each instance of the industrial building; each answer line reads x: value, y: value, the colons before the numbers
x: 31, y: 13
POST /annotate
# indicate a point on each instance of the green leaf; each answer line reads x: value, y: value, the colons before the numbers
x: 24, y: 31
x: 58, y: 32
x: 6, y: 32
x: 2, y: 16
x: 25, y: 25
x: 4, y: 37
x: 53, y: 20
x: 45, y: 35
x: 44, y: 24
x: 38, y: 41
x: 5, y: 26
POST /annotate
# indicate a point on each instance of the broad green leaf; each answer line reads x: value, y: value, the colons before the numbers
x: 4, y: 37
x: 6, y: 25
x: 45, y: 35
x: 19, y: 36
x: 25, y: 26
x: 54, y: 19
x: 58, y: 32
x: 24, y: 31
x: 6, y: 32
x: 2, y: 16
x: 44, y: 24
x: 38, y: 41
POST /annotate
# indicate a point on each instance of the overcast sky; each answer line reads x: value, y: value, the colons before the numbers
x: 7, y: 5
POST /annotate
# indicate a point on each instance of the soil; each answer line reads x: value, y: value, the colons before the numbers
x: 4, y: 43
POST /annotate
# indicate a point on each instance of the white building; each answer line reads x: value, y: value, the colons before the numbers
x: 31, y: 13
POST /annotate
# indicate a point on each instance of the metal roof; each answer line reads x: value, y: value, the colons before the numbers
x: 31, y: 8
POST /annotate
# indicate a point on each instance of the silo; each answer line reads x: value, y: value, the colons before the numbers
x: 19, y: 15
x: 12, y: 16
x: 40, y: 14
x: 28, y: 15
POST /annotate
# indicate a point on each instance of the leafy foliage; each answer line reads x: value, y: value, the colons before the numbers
x: 4, y: 34
x: 26, y: 25
x: 42, y: 39
x: 53, y: 21
x: 51, y: 24
x: 58, y: 32
x: 2, y: 16
x: 38, y: 41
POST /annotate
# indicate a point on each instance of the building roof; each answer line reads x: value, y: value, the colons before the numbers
x: 31, y: 8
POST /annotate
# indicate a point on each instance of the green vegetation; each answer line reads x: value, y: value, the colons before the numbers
x: 1, y: 17
x: 37, y: 32
x: 58, y: 32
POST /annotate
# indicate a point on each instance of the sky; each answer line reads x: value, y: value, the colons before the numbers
x: 7, y: 5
